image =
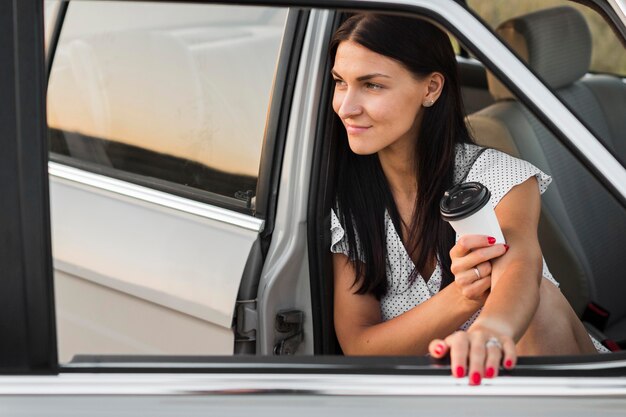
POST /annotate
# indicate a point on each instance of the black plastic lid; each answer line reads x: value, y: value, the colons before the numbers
x: 463, y: 200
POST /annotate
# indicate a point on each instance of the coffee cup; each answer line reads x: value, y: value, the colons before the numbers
x: 466, y: 207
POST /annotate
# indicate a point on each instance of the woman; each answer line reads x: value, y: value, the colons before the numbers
x: 402, y: 284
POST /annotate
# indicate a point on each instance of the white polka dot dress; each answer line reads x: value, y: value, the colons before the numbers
x: 499, y: 172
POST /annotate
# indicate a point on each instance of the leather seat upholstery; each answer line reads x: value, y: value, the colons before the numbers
x: 582, y: 227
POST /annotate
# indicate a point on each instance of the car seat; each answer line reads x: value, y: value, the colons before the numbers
x: 582, y: 226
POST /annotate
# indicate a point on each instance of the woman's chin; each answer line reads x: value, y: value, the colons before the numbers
x: 360, y: 148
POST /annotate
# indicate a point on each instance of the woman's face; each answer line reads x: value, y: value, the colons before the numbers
x: 378, y: 100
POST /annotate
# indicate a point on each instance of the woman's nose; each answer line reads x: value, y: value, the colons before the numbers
x: 350, y: 106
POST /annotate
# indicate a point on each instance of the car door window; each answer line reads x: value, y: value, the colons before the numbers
x: 592, y: 83
x: 149, y: 102
x: 605, y: 41
x: 166, y: 95
x: 569, y: 225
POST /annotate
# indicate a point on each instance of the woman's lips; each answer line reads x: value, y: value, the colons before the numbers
x: 355, y: 129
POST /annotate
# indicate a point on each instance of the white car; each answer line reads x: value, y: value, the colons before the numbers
x: 191, y: 171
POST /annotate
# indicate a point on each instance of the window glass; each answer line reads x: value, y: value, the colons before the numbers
x: 51, y: 9
x: 172, y: 94
x: 605, y: 42
x: 586, y: 72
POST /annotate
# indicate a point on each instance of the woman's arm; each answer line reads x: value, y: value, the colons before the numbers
x: 514, y: 297
x: 359, y: 325
x: 516, y: 276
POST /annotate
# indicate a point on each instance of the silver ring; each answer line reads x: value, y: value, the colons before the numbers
x: 477, y: 273
x: 493, y: 341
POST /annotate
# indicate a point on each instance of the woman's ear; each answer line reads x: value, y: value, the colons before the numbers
x: 435, y: 82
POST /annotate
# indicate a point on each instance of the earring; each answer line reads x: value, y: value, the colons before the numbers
x: 429, y: 103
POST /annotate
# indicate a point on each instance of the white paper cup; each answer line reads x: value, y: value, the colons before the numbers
x: 466, y: 207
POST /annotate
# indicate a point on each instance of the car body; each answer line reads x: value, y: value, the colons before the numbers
x: 173, y: 294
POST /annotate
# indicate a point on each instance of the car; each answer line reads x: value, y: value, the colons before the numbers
x: 181, y: 260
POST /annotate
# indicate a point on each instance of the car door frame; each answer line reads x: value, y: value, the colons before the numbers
x: 245, y: 324
x: 27, y: 314
x: 30, y: 294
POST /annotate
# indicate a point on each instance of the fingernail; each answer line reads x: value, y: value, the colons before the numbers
x: 475, y: 379
x: 491, y: 240
x: 460, y: 372
x: 506, y: 248
x: 508, y: 363
x: 490, y: 372
x: 438, y: 350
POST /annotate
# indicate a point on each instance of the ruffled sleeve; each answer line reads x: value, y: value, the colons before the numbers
x: 338, y: 238
x: 500, y: 172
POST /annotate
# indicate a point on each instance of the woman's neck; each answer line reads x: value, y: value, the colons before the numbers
x: 398, y: 165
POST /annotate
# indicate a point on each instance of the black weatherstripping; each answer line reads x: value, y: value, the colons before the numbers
x: 28, y: 340
x: 318, y: 217
x: 573, y: 366
x: 161, y: 171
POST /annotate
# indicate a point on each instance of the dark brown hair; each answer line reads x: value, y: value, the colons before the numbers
x: 362, y: 192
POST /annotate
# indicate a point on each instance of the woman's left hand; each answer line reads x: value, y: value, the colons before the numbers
x: 478, y: 353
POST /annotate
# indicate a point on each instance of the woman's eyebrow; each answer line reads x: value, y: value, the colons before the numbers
x: 362, y: 77
x: 370, y: 76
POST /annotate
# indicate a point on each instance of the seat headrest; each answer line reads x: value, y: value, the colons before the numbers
x: 556, y: 44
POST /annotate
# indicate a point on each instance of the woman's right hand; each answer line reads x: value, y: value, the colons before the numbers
x: 482, y: 348
x: 471, y: 267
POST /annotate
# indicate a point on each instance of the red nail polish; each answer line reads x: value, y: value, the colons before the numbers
x: 506, y: 248
x: 438, y: 350
x: 491, y: 240
x: 475, y: 378
x: 460, y: 372
x: 490, y: 372
x: 508, y: 363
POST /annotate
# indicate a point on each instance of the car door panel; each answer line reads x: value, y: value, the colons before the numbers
x: 94, y: 318
x: 186, y: 264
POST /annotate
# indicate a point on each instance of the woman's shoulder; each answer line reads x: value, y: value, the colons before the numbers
x: 499, y: 171
x: 465, y: 156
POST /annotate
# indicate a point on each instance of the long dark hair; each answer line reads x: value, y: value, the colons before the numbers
x: 363, y: 193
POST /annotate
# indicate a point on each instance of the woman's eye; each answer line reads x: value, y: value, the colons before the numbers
x: 373, y: 86
x: 339, y: 83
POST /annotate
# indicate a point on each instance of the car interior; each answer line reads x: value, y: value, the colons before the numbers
x: 581, y: 222
x: 580, y: 245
